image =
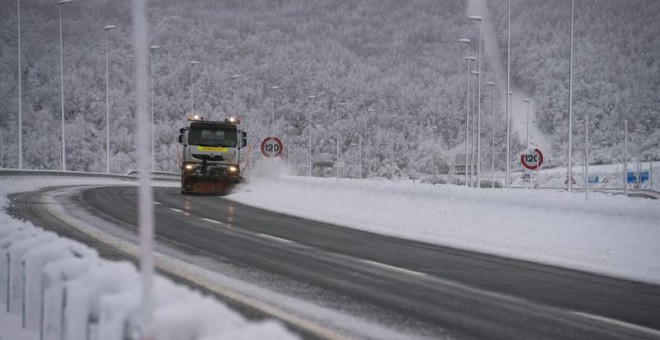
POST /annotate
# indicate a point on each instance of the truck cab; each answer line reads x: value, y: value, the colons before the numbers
x: 212, y: 156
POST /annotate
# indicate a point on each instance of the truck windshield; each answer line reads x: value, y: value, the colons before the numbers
x: 212, y: 137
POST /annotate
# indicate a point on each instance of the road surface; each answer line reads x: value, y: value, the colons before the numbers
x: 409, y: 288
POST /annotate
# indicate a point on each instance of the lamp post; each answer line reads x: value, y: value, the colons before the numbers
x: 20, y: 93
x: 570, y: 110
x: 509, y: 98
x: 467, y: 119
x: 478, y: 20
x: 233, y: 91
x: 63, y: 155
x: 107, y: 100
x: 153, y: 124
x: 474, y: 138
x: 467, y: 101
x: 625, y: 158
x: 391, y: 130
x: 360, y: 154
x: 309, y: 131
x: 527, y: 120
x: 192, y: 86
x: 2, y: 151
x: 369, y: 138
x: 586, y: 157
x: 508, y: 102
x: 492, y: 146
x: 273, y: 114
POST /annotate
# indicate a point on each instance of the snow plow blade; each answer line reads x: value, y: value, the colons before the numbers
x: 208, y: 188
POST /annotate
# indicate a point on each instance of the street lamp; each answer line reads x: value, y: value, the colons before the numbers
x: 527, y: 120
x: 492, y: 147
x: 2, y: 151
x: 63, y: 161
x: 508, y: 102
x: 570, y: 110
x: 20, y: 94
x: 625, y: 158
x: 586, y: 157
x: 478, y: 19
x: 474, y: 147
x: 107, y: 100
x: 233, y: 92
x: 467, y: 101
x: 310, y: 139
x: 192, y: 87
x: 369, y: 138
x: 509, y: 99
x: 468, y: 59
x: 273, y: 114
x: 153, y: 126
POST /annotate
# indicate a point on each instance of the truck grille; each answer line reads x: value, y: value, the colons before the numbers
x: 216, y: 158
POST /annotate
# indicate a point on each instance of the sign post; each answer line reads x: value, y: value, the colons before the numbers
x: 271, y: 147
x: 532, y: 159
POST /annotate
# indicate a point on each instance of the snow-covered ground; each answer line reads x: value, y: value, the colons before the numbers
x: 612, y: 235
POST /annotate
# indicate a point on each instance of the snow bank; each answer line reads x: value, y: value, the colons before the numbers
x: 612, y: 235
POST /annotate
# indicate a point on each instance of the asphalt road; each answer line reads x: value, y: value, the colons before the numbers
x: 445, y: 292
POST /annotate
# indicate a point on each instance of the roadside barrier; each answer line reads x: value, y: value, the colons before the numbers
x: 63, y: 290
x: 129, y: 176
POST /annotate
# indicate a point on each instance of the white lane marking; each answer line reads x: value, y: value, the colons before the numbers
x: 638, y: 328
x: 283, y: 240
x: 212, y: 221
x: 157, y: 203
x: 177, y: 210
x: 398, y: 269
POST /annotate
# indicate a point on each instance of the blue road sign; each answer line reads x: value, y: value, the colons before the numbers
x: 644, y: 176
x: 630, y: 177
x: 593, y: 179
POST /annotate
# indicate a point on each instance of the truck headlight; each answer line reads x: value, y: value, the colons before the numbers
x: 189, y: 167
x: 232, y: 169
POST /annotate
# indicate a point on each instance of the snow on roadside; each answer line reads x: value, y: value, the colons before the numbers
x: 611, y: 235
x: 179, y: 312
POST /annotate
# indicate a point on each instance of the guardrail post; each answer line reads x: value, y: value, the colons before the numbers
x: 56, y: 275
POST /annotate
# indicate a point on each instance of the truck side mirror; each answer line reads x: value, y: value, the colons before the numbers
x: 243, y: 139
x: 181, y: 130
x: 181, y: 139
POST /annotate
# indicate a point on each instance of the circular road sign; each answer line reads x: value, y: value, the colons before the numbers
x: 271, y: 147
x: 531, y: 159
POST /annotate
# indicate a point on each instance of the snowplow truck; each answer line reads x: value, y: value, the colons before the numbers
x: 212, y: 156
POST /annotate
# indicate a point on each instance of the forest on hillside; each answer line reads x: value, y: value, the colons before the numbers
x: 616, y: 71
x: 380, y: 79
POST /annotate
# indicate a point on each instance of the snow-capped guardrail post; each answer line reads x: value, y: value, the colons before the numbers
x: 83, y: 295
x: 15, y: 254
x: 16, y: 234
x: 55, y: 276
x: 35, y: 261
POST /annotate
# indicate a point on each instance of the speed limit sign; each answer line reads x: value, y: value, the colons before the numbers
x: 532, y: 159
x: 271, y: 147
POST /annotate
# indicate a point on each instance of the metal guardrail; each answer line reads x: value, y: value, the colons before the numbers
x: 129, y: 176
x: 644, y: 193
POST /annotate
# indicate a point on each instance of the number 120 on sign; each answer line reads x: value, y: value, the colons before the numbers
x: 532, y: 159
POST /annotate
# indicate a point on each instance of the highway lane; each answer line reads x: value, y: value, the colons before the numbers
x: 448, y: 291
